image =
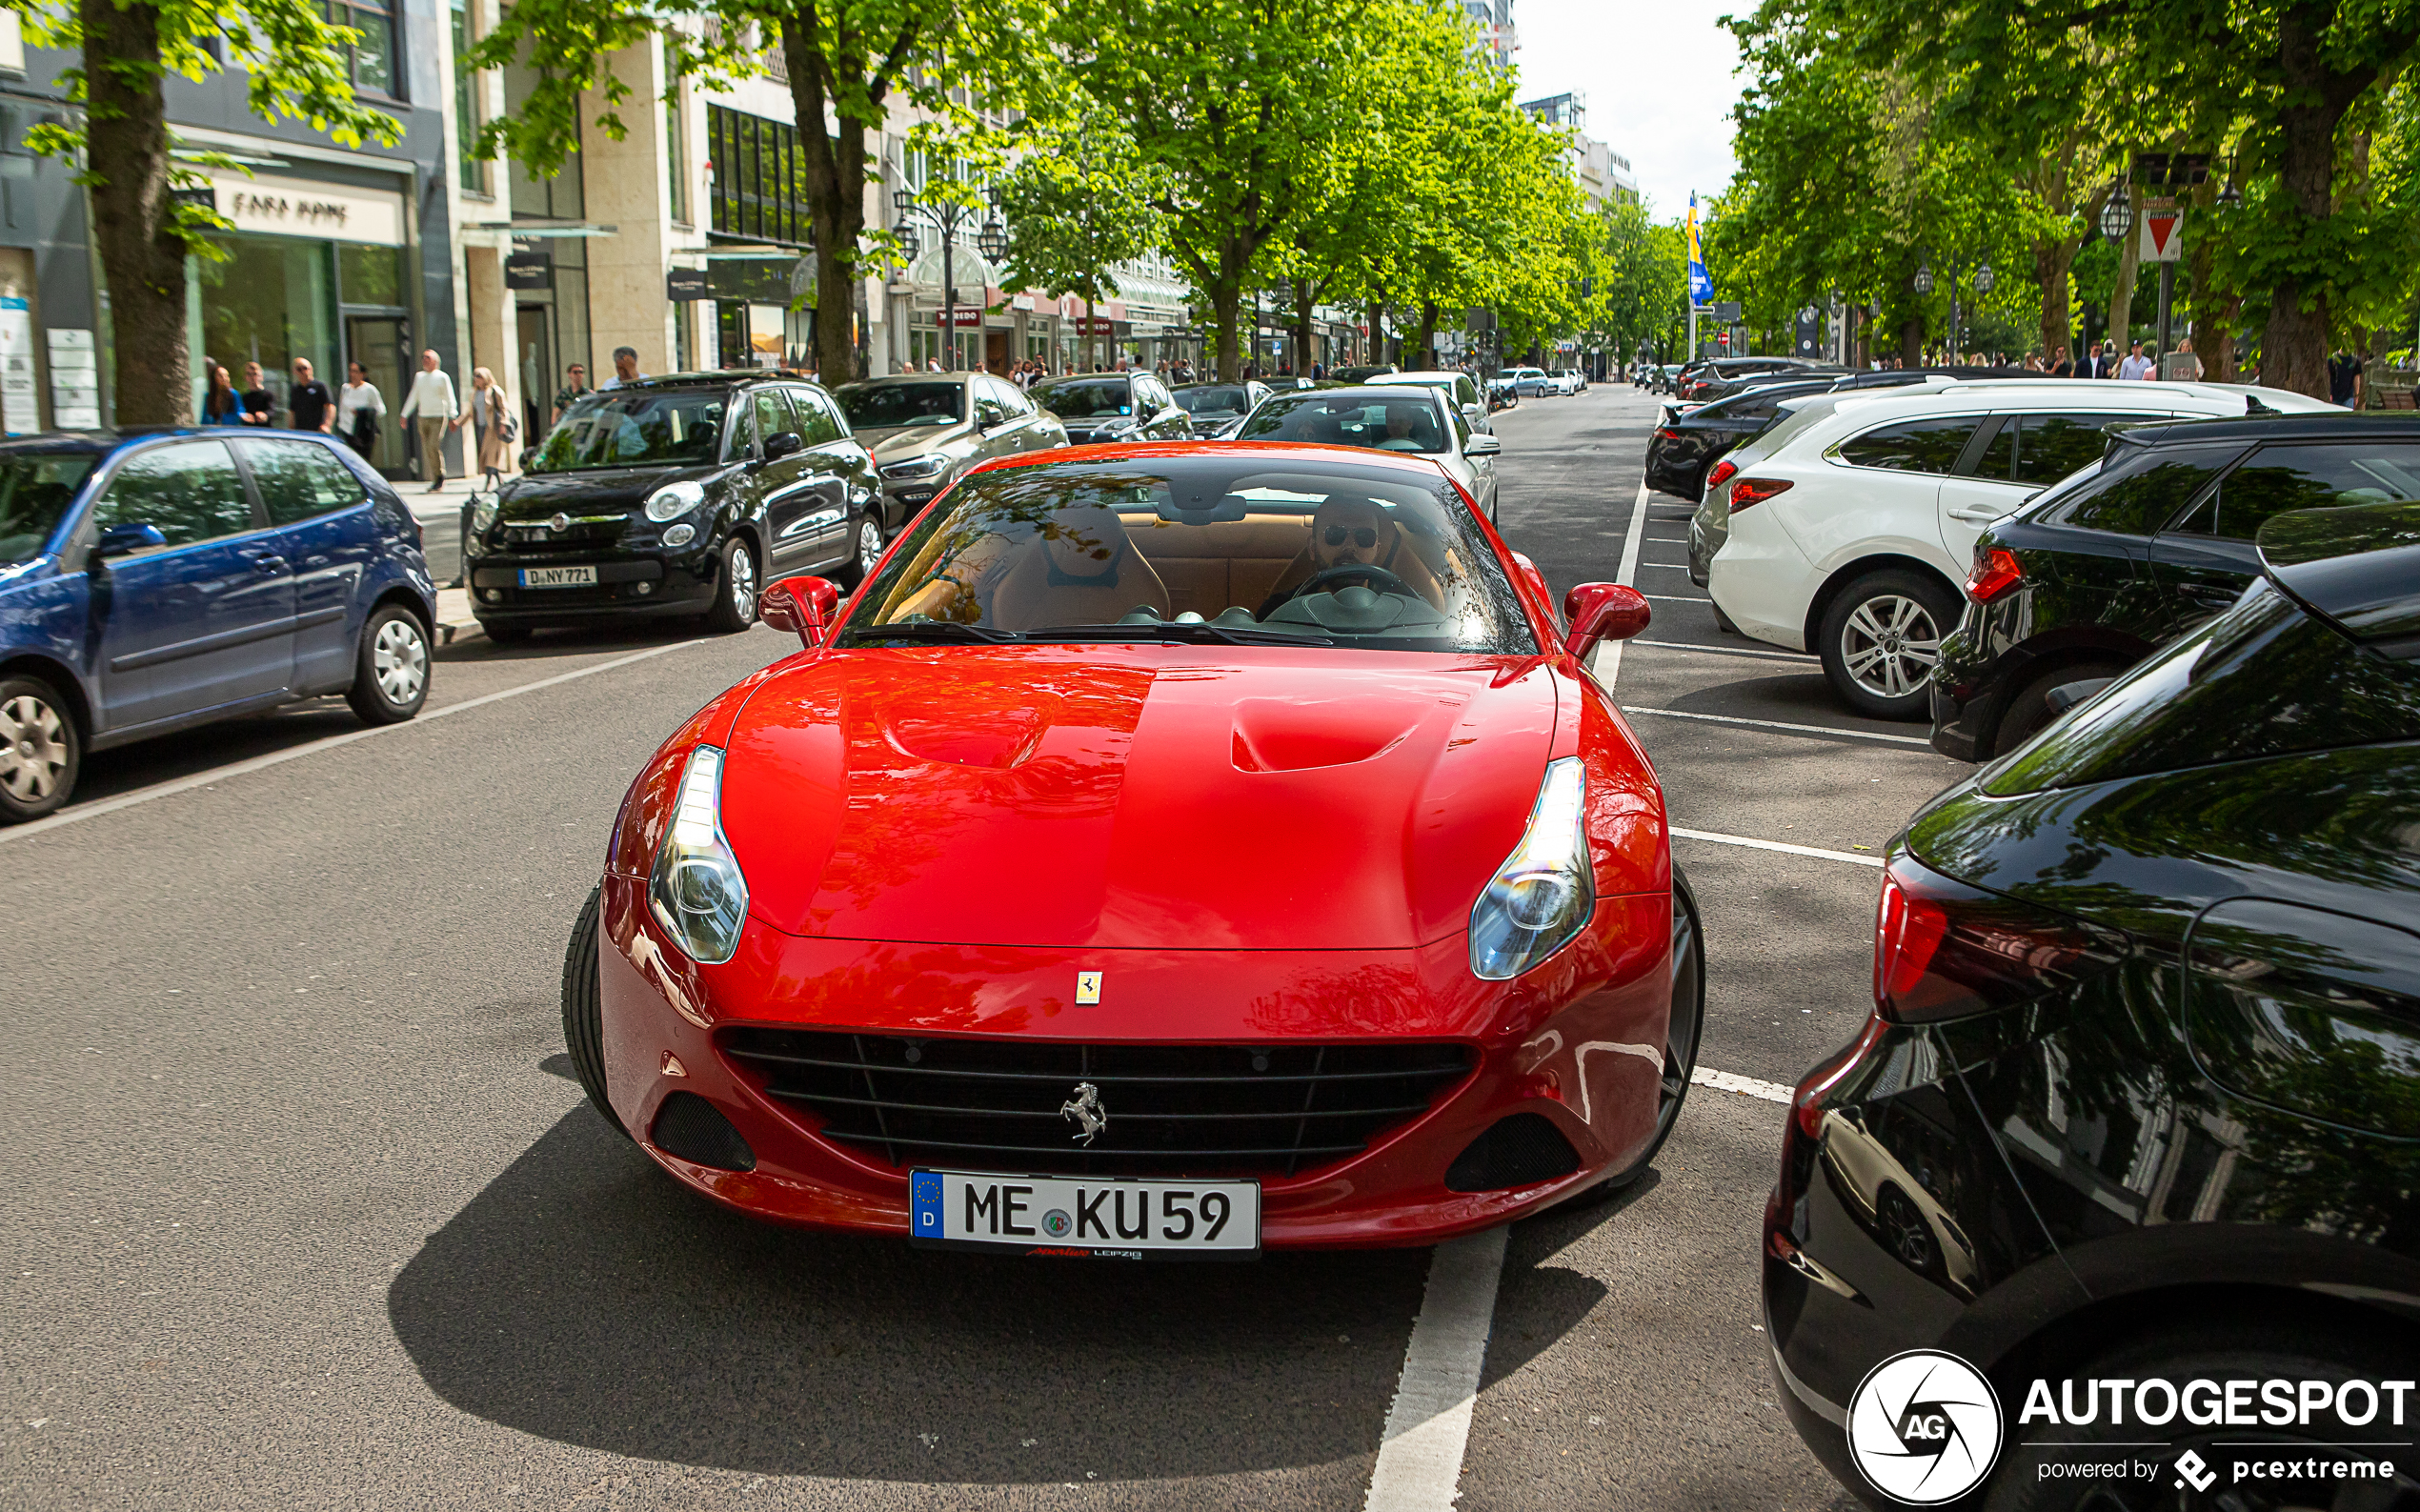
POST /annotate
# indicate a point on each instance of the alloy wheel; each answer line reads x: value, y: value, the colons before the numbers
x: 35, y: 753
x: 869, y: 546
x: 743, y: 584
x: 1890, y: 645
x: 399, y: 659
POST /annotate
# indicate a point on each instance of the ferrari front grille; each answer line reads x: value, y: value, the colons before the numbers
x: 1160, y: 1110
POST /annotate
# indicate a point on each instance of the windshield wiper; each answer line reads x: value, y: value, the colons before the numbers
x: 1184, y: 630
x: 929, y: 630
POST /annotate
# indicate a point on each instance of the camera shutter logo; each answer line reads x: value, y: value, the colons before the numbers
x: 1925, y: 1427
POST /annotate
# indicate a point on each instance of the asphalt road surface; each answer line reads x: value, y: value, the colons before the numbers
x: 303, y: 1209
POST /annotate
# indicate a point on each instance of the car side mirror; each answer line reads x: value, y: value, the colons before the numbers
x: 803, y: 606
x: 119, y: 540
x: 1602, y: 611
x: 783, y: 443
x: 1483, y: 445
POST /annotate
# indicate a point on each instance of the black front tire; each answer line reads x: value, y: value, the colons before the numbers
x: 583, y: 1017
x: 1682, y: 1032
x: 391, y: 667
x: 41, y: 749
x: 736, y: 588
x: 1881, y: 638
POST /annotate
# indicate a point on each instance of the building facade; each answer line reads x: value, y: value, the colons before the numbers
x: 1601, y: 173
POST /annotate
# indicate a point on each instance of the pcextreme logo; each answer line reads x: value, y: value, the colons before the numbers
x: 1925, y: 1427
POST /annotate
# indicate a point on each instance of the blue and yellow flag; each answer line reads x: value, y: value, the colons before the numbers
x: 1701, y: 285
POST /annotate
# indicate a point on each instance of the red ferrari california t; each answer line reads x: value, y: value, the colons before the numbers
x: 1169, y: 850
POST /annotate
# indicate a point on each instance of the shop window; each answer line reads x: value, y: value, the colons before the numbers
x: 466, y: 107
x: 759, y: 186
x: 675, y: 157
x: 370, y: 275
x: 271, y: 300
x: 373, y: 52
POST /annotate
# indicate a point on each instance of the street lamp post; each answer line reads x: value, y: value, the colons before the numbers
x: 1922, y: 284
x: 946, y: 216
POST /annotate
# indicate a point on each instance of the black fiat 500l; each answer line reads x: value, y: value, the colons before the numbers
x: 679, y: 495
x: 2137, y: 1114
x: 2124, y: 557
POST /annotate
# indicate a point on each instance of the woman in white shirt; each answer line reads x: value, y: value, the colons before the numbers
x: 360, y: 409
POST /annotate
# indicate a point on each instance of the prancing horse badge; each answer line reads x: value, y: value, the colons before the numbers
x: 1087, y: 986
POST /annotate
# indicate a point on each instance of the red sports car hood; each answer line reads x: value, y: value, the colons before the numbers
x: 1134, y: 797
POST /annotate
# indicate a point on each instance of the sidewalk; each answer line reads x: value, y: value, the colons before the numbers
x: 442, y: 511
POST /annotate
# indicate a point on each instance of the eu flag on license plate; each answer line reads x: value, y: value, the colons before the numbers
x: 924, y: 1200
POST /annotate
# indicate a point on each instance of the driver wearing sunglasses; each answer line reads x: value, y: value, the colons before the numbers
x: 1347, y: 530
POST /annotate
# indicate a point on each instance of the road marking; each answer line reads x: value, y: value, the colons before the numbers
x: 1777, y: 846
x: 1776, y: 724
x: 1670, y: 567
x: 1746, y: 1086
x: 262, y: 763
x: 1727, y: 651
x: 1608, y: 656
x: 1419, y: 1457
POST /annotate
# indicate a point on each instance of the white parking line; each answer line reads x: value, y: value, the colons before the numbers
x: 1607, y: 660
x: 1798, y: 657
x: 1420, y: 1457
x: 1776, y: 724
x: 1777, y: 846
x: 1675, y: 567
x: 262, y: 763
x: 1746, y: 1086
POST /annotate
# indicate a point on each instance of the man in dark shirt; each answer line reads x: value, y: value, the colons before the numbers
x: 314, y: 407
x: 260, y: 406
x: 2344, y: 379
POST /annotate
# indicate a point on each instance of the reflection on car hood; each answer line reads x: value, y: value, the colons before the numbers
x: 1134, y: 797
x: 890, y: 442
x: 539, y: 495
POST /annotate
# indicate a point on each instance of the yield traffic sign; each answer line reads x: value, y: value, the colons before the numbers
x: 2163, y: 232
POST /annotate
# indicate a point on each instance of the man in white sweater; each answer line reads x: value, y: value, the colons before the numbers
x: 431, y: 403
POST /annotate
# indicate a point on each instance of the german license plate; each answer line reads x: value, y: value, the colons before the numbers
x: 1053, y: 1215
x: 558, y: 577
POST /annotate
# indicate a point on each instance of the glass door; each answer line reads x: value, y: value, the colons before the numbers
x: 382, y: 345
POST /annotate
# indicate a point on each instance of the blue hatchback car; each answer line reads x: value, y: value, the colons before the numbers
x: 156, y: 580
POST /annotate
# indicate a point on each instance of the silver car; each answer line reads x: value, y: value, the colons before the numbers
x: 1417, y: 420
x: 925, y: 429
x: 1461, y: 390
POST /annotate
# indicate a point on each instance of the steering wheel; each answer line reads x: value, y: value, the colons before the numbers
x: 1378, y: 577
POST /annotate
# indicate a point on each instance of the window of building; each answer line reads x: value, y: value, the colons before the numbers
x: 374, y: 53
x: 466, y: 106
x: 759, y: 185
x: 675, y: 157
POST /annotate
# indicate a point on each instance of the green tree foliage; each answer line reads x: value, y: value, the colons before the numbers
x: 1078, y: 201
x: 296, y: 67
x: 847, y: 61
x: 1641, y: 298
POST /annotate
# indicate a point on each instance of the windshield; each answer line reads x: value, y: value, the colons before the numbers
x: 1218, y: 400
x: 35, y: 490
x: 1085, y: 398
x: 1406, y: 424
x: 675, y: 427
x: 1216, y: 548
x: 886, y: 406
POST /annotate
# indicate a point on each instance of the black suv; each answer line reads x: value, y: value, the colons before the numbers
x: 1682, y: 447
x: 1098, y: 406
x: 2137, y: 1113
x: 2121, y: 558
x: 676, y: 496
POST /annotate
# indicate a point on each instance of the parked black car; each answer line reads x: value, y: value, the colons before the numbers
x: 1098, y: 407
x: 1682, y: 447
x: 2140, y: 1098
x: 2119, y: 559
x: 1218, y: 409
x: 678, y: 495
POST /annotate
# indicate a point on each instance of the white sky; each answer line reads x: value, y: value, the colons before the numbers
x: 1658, y: 82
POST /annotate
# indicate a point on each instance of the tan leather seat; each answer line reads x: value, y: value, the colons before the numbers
x: 1081, y: 569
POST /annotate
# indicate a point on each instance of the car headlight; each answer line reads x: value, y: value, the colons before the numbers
x: 929, y: 465
x: 675, y: 499
x: 1543, y: 893
x: 681, y: 535
x: 697, y: 890
x: 483, y: 513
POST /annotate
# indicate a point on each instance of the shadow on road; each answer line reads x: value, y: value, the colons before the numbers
x: 584, y: 1298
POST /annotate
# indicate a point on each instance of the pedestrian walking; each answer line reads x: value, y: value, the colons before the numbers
x: 260, y: 406
x: 221, y: 404
x: 314, y: 407
x: 625, y: 369
x: 2132, y: 368
x: 489, y: 412
x: 574, y: 385
x: 2343, y: 378
x: 431, y: 403
x: 360, y: 411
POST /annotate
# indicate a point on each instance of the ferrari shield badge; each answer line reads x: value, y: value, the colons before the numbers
x: 1087, y: 987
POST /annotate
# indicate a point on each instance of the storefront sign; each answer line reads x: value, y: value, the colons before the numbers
x: 1094, y: 326
x: 684, y: 284
x: 75, y: 381
x: 528, y: 269
x: 967, y: 319
x: 292, y: 207
x: 20, y: 401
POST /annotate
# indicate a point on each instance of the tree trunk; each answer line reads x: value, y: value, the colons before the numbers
x: 1911, y: 342
x: 1427, y: 342
x: 2121, y: 296
x: 133, y: 220
x: 2052, y: 257
x: 2294, y: 348
x: 2212, y: 314
x: 1304, y: 295
x: 1226, y: 314
x: 836, y: 194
